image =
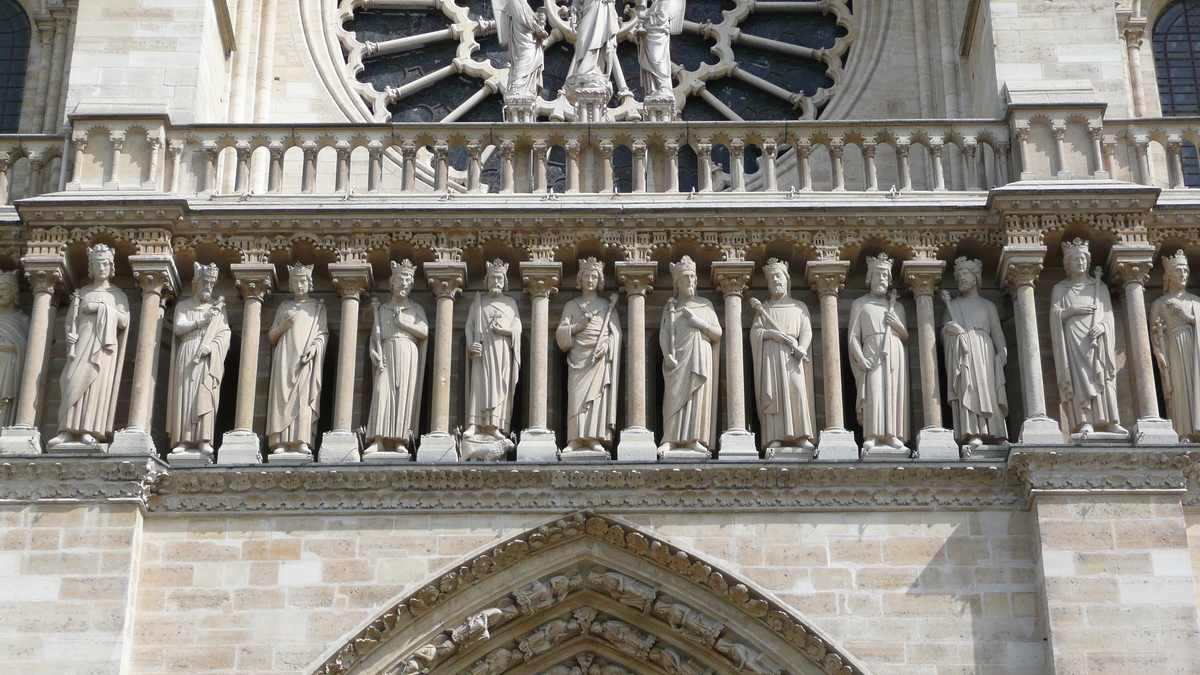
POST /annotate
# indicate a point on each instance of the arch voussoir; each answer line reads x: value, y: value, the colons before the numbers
x: 588, y: 595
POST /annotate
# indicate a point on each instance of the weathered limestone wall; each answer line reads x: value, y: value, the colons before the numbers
x: 67, y: 582
x: 913, y: 593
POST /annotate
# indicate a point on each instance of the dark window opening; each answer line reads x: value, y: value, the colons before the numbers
x: 1177, y: 63
x: 14, y: 55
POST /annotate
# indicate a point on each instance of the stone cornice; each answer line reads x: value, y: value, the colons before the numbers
x: 68, y: 479
x: 1098, y: 469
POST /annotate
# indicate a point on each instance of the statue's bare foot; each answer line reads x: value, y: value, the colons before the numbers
x: 895, y: 442
x: 87, y: 439
x: 598, y: 446
x: 206, y: 449
x: 1117, y: 429
x: 574, y: 445
x: 496, y: 434
x: 665, y: 447
x: 471, y: 431
x: 179, y: 449
x: 807, y: 445
x: 976, y: 443
x: 64, y: 437
x: 1085, y: 431
x: 868, y: 445
x: 303, y: 448
x: 775, y: 444
x: 698, y: 447
x: 373, y: 448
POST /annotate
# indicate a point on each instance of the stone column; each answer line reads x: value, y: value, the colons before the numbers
x: 737, y: 442
x: 155, y: 273
x: 1129, y: 266
x: 934, y: 441
x: 637, y: 441
x: 1019, y: 270
x: 446, y: 278
x: 541, y: 279
x: 254, y: 283
x: 827, y: 278
x: 45, y: 273
x: 341, y: 445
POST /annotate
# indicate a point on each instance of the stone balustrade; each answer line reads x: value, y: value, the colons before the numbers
x: 30, y: 165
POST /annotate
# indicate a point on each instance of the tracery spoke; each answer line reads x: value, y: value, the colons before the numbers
x: 395, y: 94
x: 377, y: 49
x: 769, y: 87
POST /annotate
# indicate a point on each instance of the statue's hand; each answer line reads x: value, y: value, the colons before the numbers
x: 1096, y: 331
x: 383, y: 364
x: 72, y: 338
x: 1002, y: 356
x: 672, y: 361
x: 945, y: 296
x: 954, y: 328
x: 696, y: 323
x: 1065, y: 390
x: 893, y: 320
x: 290, y: 317
x: 91, y: 308
x: 601, y: 350
x: 204, y: 351
x: 476, y: 350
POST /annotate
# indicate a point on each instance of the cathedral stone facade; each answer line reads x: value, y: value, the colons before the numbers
x: 540, y: 337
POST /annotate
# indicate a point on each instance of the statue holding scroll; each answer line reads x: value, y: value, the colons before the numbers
x: 199, y: 344
x: 97, y: 331
x: 397, y: 349
x: 494, y: 358
x: 1083, y: 333
x: 590, y: 333
x: 878, y: 342
x: 780, y: 337
x: 14, y: 334
x: 975, y: 359
x: 689, y: 335
x: 1176, y: 347
x: 299, y: 333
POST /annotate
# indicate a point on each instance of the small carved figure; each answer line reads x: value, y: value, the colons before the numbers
x: 477, y: 626
x: 975, y: 359
x: 590, y: 333
x: 494, y: 349
x: 420, y: 660
x: 522, y: 30
x: 878, y: 342
x: 780, y: 337
x: 538, y: 595
x: 623, y: 589
x: 655, y: 27
x: 199, y: 344
x: 1176, y: 347
x: 1083, y: 333
x: 14, y: 335
x: 97, y: 330
x: 624, y: 637
x: 547, y: 637
x: 747, y: 660
x: 690, y: 335
x: 691, y: 624
x: 397, y: 349
x: 299, y: 334
x: 497, y: 661
x: 676, y: 664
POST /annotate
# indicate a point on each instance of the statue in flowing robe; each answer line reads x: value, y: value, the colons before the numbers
x: 656, y: 25
x: 397, y: 348
x: 590, y: 333
x: 14, y: 335
x: 493, y: 337
x: 299, y: 335
x: 1083, y: 332
x: 1176, y: 347
x: 199, y: 345
x: 689, y: 335
x: 97, y: 331
x: 595, y: 64
x: 780, y: 337
x: 522, y: 30
x: 878, y: 341
x: 975, y: 359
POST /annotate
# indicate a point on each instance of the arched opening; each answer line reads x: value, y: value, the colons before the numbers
x: 14, y: 53
x: 587, y: 588
x: 1177, y: 64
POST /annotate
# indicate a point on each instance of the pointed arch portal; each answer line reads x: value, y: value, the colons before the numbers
x: 588, y: 595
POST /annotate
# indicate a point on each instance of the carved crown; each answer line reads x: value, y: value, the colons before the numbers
x: 1176, y: 261
x: 404, y: 267
x: 777, y: 264
x: 205, y: 271
x: 879, y: 262
x: 299, y: 270
x: 101, y: 252
x: 10, y: 277
x: 498, y: 265
x: 686, y: 264
x: 1076, y: 247
x: 973, y: 266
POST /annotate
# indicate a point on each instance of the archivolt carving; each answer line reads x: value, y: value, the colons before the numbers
x: 583, y: 618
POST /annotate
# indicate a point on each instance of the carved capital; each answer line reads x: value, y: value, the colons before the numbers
x: 1130, y: 264
x: 636, y: 278
x: 42, y: 277
x: 253, y: 280
x: 732, y: 276
x: 155, y: 273
x: 827, y: 277
x: 350, y: 279
x: 445, y: 278
x: 541, y: 278
x: 1020, y: 266
x: 922, y: 277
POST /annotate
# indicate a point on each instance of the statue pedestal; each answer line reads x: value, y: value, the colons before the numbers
x: 289, y: 458
x: 132, y: 442
x: 660, y: 109
x: 386, y: 457
x: 338, y: 447
x: 240, y: 446
x: 189, y: 458
x: 584, y: 456
x: 936, y: 444
x: 537, y: 445
x: 786, y: 452
x: 520, y: 108
x: 1041, y: 431
x: 20, y: 441
x: 738, y: 445
x: 438, y: 446
x: 637, y: 445
x: 1154, y: 431
x: 837, y: 445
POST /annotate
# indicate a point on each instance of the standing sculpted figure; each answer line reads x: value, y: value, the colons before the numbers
x: 14, y: 335
x: 975, y: 359
x: 689, y: 335
x: 522, y: 30
x: 397, y: 349
x: 595, y: 61
x: 656, y: 25
x: 97, y: 327
x: 494, y: 357
x: 779, y: 339
x: 199, y: 344
x: 590, y: 333
x: 299, y: 333
x: 878, y: 342
x: 1083, y: 331
x: 1176, y: 347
